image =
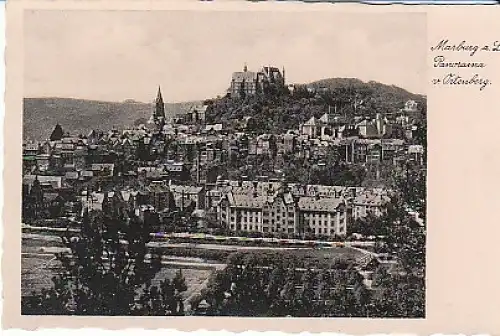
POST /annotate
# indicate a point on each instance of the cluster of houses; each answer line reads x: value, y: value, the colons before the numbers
x: 165, y: 166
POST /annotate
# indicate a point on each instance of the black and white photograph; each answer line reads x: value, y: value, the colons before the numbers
x: 224, y: 163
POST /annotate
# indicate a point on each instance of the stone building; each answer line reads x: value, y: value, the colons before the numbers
x: 279, y: 211
x: 247, y: 83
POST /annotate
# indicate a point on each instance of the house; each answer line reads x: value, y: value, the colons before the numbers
x: 328, y: 126
x: 323, y: 216
x: 31, y: 149
x: 375, y: 150
x: 214, y: 128
x: 43, y: 162
x: 176, y: 170
x: 416, y: 152
x: 103, y: 169
x: 369, y: 202
x: 286, y: 143
x: 152, y: 172
x: 156, y: 194
x: 51, y: 181
x: 311, y: 128
x: 103, y: 201
x: 186, y: 196
x: 377, y: 128
x: 196, y: 114
x: 410, y: 107
x: 248, y: 123
x: 266, y: 144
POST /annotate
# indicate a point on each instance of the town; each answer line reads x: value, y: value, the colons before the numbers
x: 268, y: 165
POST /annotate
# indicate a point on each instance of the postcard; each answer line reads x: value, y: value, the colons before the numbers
x: 251, y: 166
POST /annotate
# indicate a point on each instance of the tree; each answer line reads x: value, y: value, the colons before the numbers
x: 103, y: 276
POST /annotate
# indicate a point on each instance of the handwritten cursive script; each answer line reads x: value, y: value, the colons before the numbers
x: 441, y: 62
x: 455, y: 79
x: 445, y: 45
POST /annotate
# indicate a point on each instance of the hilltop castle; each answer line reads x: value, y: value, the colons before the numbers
x: 245, y: 83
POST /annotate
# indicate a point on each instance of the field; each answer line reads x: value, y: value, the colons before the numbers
x: 194, y: 278
x: 38, y: 264
x: 37, y: 272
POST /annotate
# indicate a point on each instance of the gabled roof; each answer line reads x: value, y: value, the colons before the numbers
x: 215, y: 127
x: 415, y: 149
x: 311, y: 122
x: 246, y: 76
x: 185, y: 189
x: 320, y: 204
x: 246, y: 201
x: 371, y: 199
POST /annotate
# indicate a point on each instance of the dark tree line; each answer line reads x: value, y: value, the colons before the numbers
x: 108, y: 271
x: 332, y: 171
x: 246, y: 288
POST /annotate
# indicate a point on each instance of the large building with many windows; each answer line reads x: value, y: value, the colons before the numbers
x: 279, y: 211
x: 276, y: 207
x: 247, y: 83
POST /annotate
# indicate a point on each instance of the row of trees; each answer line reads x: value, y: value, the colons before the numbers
x: 109, y: 271
x: 246, y: 288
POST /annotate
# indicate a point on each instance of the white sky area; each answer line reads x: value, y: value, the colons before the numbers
x: 118, y: 55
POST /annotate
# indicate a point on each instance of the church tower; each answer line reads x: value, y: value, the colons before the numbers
x: 158, y: 116
x: 160, y: 105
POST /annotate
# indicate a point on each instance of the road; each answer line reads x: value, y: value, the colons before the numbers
x: 167, y: 244
x: 186, y: 235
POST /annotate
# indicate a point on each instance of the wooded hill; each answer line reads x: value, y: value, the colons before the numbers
x: 346, y: 96
x: 80, y: 116
x: 277, y: 112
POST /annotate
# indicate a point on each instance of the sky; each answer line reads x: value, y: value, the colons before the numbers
x: 118, y: 55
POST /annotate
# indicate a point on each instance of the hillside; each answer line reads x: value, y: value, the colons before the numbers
x: 381, y: 90
x: 79, y: 116
x: 276, y: 113
x: 348, y: 96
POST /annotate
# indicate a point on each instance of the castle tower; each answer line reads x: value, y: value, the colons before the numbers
x: 245, y: 68
x: 283, y: 75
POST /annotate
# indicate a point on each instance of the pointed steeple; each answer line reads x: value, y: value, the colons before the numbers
x: 158, y: 116
x: 158, y: 95
x: 160, y: 105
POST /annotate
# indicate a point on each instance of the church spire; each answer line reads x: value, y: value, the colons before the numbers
x: 159, y: 110
x: 159, y: 97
